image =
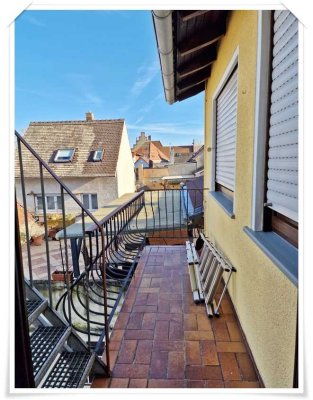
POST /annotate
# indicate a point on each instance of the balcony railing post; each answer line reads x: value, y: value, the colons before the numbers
x: 25, y: 211
x: 87, y: 265
x: 46, y: 233
x: 66, y: 257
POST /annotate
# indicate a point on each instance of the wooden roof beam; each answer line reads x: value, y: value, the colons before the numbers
x: 201, y: 61
x: 186, y: 15
x: 202, y: 38
x: 191, y: 92
x: 195, y: 78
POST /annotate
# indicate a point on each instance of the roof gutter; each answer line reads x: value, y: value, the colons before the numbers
x: 162, y: 20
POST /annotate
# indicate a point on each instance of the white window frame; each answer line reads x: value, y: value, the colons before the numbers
x: 90, y: 200
x: 48, y: 210
x: 70, y: 157
x: 262, y: 97
x: 95, y: 158
x: 229, y: 70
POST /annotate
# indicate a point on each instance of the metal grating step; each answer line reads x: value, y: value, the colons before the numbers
x: 70, y: 371
x: 43, y: 342
x: 32, y: 305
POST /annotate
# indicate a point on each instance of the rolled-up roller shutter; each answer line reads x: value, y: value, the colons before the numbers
x: 282, y: 178
x: 226, y: 128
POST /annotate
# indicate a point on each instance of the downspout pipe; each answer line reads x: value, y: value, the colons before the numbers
x: 162, y: 20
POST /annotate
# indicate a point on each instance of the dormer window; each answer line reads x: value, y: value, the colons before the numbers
x: 64, y: 155
x: 98, y: 154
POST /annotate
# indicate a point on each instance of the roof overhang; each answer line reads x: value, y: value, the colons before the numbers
x: 187, y: 43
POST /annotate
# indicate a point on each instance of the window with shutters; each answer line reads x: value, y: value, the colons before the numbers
x: 281, y: 194
x: 226, y: 130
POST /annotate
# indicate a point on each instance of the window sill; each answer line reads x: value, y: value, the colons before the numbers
x: 225, y: 202
x: 283, y: 254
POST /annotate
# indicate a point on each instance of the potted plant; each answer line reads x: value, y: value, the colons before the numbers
x: 36, y: 232
x: 60, y: 276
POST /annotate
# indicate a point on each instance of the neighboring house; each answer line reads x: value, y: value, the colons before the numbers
x: 154, y: 151
x: 92, y: 157
x: 198, y: 158
x: 151, y: 153
x: 141, y: 161
x: 247, y: 63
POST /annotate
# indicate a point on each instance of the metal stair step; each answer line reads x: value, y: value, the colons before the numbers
x: 70, y: 370
x: 45, y: 343
x: 34, y: 308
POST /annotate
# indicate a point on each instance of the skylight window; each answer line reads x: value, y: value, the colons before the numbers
x: 98, y: 155
x: 64, y: 155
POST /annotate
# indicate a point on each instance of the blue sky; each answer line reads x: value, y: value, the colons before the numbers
x: 71, y: 62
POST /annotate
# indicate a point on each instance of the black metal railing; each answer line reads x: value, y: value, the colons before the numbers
x: 99, y: 257
x: 26, y: 154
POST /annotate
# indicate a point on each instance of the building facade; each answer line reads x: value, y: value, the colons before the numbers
x: 250, y: 80
x: 92, y: 157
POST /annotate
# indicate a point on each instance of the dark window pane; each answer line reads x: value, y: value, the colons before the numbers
x: 50, y: 203
x: 86, y: 200
x: 39, y: 203
x: 94, y: 202
x: 59, y: 202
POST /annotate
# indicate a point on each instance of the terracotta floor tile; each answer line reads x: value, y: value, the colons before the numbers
x: 166, y: 383
x: 135, y: 320
x: 138, y: 334
x: 247, y: 369
x: 193, y: 355
x: 214, y: 383
x: 119, y: 383
x: 127, y: 352
x: 138, y: 383
x: 199, y: 335
x: 148, y: 321
x: 168, y: 345
x: 176, y: 331
x: 230, y: 347
x: 158, y: 366
x: 143, y: 352
x: 176, y: 364
x: 117, y: 335
x: 100, y: 383
x: 113, y: 358
x: 221, y: 332
x: 195, y: 384
x: 234, y: 332
x: 190, y: 322
x: 129, y: 371
x: 241, y: 384
x: 208, y: 352
x: 121, y: 321
x: 203, y: 323
x: 230, y: 369
x: 203, y: 372
x: 161, y: 331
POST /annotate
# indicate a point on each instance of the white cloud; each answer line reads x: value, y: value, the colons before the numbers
x: 145, y: 74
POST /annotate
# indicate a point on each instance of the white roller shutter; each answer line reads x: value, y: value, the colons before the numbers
x: 226, y: 128
x: 282, y: 179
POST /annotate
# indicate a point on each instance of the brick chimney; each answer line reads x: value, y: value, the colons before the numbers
x: 89, y: 116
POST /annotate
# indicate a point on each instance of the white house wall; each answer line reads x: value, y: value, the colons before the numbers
x: 104, y: 187
x: 125, y: 167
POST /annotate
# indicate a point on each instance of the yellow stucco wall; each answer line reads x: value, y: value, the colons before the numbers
x: 264, y: 298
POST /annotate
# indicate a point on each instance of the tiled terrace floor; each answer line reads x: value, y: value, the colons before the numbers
x: 163, y: 340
